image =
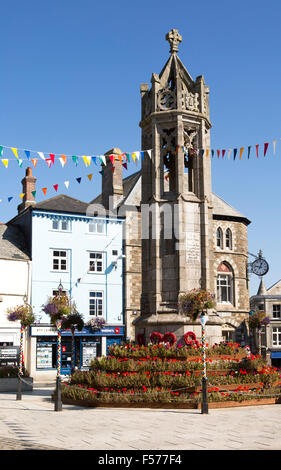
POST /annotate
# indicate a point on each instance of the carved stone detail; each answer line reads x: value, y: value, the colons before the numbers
x: 190, y: 101
x: 166, y: 99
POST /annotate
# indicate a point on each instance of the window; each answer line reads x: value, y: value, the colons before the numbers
x: 96, y: 304
x: 61, y: 225
x: 96, y: 262
x: 56, y: 292
x: 225, y: 284
x: 228, y: 239
x: 276, y: 311
x: 96, y: 227
x: 276, y: 336
x: 59, y: 260
x: 219, y: 237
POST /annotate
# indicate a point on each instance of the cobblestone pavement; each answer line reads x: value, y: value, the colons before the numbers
x: 32, y: 423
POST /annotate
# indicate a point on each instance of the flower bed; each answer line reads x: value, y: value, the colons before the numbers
x: 153, y: 376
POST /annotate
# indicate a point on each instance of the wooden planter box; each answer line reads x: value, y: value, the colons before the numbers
x: 231, y: 404
x: 232, y: 387
x: 11, y: 384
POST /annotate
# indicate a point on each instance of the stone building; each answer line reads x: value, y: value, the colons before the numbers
x: 178, y: 234
x: 269, y: 301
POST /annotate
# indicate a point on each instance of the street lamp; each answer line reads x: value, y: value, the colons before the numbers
x: 204, y: 407
x: 58, y: 402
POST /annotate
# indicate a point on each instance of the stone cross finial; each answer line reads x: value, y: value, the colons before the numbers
x: 174, y: 38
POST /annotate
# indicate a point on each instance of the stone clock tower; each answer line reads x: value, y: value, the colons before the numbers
x: 177, y: 231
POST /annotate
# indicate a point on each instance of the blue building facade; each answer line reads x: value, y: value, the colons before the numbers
x: 84, y: 255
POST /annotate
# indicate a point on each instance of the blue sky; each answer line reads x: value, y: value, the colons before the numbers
x: 69, y: 84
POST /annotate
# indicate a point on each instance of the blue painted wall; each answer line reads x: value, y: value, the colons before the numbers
x: 77, y: 279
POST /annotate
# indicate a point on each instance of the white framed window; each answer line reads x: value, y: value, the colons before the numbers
x: 219, y: 238
x: 276, y: 336
x: 97, y: 227
x: 276, y: 311
x: 228, y: 239
x: 96, y: 264
x: 96, y: 303
x: 60, y: 261
x: 61, y: 225
x: 225, y: 284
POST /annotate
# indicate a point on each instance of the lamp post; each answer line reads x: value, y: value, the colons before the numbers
x: 204, y: 407
x: 58, y: 402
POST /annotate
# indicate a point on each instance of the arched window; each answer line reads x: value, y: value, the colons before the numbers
x: 225, y: 284
x: 228, y: 239
x: 219, y: 237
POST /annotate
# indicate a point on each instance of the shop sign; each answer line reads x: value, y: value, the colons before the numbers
x: 43, y: 331
x: 9, y: 355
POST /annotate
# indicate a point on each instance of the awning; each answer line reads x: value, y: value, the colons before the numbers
x: 275, y: 354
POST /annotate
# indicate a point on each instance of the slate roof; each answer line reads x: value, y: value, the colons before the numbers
x: 12, y: 243
x: 63, y: 203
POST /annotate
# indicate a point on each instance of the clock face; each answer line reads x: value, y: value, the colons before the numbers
x: 260, y: 267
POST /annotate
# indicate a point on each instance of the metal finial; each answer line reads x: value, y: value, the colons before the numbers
x: 174, y: 38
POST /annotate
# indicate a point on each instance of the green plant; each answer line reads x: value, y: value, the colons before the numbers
x: 195, y: 302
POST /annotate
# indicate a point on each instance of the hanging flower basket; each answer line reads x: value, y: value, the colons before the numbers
x: 195, y: 302
x: 96, y: 323
x: 58, y: 307
x: 170, y: 338
x: 21, y: 313
x: 156, y: 337
x: 73, y: 321
x: 258, y: 320
x: 190, y: 339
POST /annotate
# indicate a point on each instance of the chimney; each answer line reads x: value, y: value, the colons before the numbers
x: 28, y: 185
x: 112, y: 178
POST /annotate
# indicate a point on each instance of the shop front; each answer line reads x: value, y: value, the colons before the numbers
x: 88, y: 344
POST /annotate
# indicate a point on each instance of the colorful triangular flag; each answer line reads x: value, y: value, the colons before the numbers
x: 15, y: 151
x: 34, y: 161
x: 41, y: 155
x: 27, y: 153
x: 241, y: 151
x: 90, y: 176
x: 22, y: 195
x: 66, y: 184
x: 78, y: 179
x: 10, y: 198
x: 5, y: 162
x: 33, y: 194
x: 265, y: 148
x: 75, y: 159
x: 55, y: 186
x: 44, y: 190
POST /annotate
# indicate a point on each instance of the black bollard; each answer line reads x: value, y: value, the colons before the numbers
x: 204, y: 406
x: 58, y: 402
x: 19, y: 394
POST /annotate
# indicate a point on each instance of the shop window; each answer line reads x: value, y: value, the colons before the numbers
x: 96, y: 264
x: 96, y: 304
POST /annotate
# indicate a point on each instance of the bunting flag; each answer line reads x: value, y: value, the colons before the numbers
x: 22, y: 195
x: 27, y: 153
x: 94, y: 160
x: 62, y: 160
x: 101, y: 172
x: 112, y: 158
x: 5, y: 162
x: 207, y: 152
x: 265, y: 148
x: 102, y: 159
x: 257, y: 150
x: 20, y: 162
x: 75, y: 159
x: 218, y: 153
x: 41, y: 155
x: 213, y: 152
x: 55, y: 186
x: 66, y: 184
x: 223, y: 152
x: 234, y: 153
x: 120, y: 158
x: 15, y: 151
x: 49, y: 162
x: 34, y: 161
x: 249, y: 150
x: 33, y: 194
x: 90, y: 176
x: 241, y: 151
x: 52, y: 157
x: 1, y: 150
x: 78, y: 179
x: 229, y: 153
x: 124, y: 165
x: 10, y: 198
x: 44, y: 190
x: 274, y: 146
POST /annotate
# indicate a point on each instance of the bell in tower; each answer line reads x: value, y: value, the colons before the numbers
x: 177, y: 240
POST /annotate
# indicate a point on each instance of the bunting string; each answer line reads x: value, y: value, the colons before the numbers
x: 23, y: 155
